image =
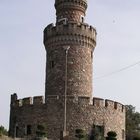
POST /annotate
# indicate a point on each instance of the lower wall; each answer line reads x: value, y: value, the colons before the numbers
x: 80, y: 114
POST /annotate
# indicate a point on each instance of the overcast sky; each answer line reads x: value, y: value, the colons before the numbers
x: 22, y: 54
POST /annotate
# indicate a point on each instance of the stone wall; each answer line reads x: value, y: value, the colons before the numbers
x: 80, y: 114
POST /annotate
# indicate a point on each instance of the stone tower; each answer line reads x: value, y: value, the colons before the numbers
x: 68, y: 102
x: 71, y: 40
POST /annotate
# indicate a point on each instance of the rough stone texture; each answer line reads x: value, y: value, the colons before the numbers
x: 71, y: 10
x: 80, y: 114
x: 81, y: 39
x: 26, y: 114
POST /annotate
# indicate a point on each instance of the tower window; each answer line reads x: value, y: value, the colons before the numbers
x: 82, y: 18
x: 97, y: 132
x: 17, y: 131
x: 51, y: 64
x: 91, y: 54
x: 29, y: 130
x: 62, y: 21
x: 123, y: 134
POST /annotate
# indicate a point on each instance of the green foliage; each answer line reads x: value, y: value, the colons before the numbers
x: 132, y: 123
x: 79, y: 133
x: 3, y: 131
x: 111, y: 135
x: 41, y: 131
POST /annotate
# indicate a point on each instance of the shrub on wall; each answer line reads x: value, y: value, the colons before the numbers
x: 79, y: 133
x: 111, y: 135
x: 41, y: 131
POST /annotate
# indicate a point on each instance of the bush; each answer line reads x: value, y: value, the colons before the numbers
x: 111, y: 135
x: 3, y: 131
x: 79, y: 133
x: 41, y: 131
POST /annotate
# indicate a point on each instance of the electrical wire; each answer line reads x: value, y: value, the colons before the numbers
x: 117, y: 71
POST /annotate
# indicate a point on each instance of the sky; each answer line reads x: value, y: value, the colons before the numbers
x: 116, y: 65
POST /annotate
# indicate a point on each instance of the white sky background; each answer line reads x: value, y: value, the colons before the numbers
x: 22, y: 54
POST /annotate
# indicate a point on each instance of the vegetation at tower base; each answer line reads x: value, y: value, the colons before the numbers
x: 111, y: 135
x: 132, y: 123
x: 3, y: 131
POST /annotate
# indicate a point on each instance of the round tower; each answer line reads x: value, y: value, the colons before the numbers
x: 69, y: 45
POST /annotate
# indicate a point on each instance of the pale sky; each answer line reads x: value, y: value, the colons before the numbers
x: 22, y: 54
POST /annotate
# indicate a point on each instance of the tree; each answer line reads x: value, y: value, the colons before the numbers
x: 111, y: 135
x: 79, y: 133
x: 3, y: 131
x: 132, y: 123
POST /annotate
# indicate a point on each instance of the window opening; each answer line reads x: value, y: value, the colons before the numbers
x: 91, y: 54
x: 97, y: 132
x: 82, y: 18
x: 17, y: 131
x: 51, y: 64
x: 62, y: 21
x: 123, y: 134
x: 29, y: 129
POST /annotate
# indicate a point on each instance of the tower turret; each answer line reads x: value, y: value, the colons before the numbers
x: 70, y: 10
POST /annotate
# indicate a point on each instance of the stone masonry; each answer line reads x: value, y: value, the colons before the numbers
x: 68, y: 98
x: 80, y: 114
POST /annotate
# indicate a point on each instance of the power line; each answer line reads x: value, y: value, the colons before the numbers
x: 117, y: 71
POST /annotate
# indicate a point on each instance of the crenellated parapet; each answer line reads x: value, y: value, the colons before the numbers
x: 71, y: 33
x: 36, y: 100
x: 108, y: 104
x: 81, y: 100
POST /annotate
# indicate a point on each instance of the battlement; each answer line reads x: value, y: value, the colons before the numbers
x: 70, y: 27
x: 81, y: 100
x: 37, y: 100
x: 71, y: 32
x: 109, y: 104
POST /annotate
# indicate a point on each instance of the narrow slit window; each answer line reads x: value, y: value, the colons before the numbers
x: 17, y: 131
x: 82, y: 18
x: 51, y: 64
x: 29, y: 129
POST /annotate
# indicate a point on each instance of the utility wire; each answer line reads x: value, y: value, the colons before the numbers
x: 117, y: 71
